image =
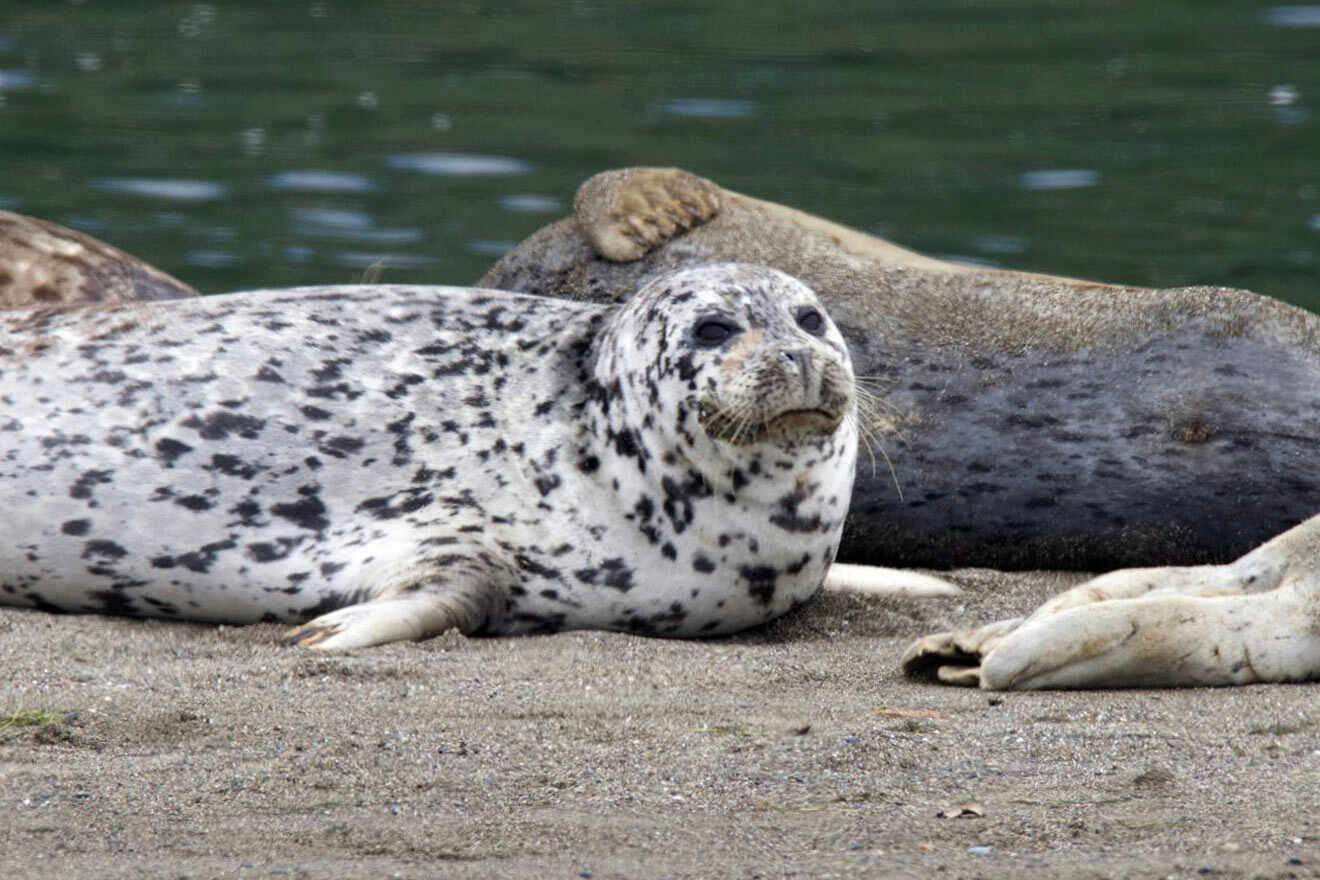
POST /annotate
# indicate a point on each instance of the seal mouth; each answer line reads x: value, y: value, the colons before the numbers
x: 787, y: 426
x: 803, y: 422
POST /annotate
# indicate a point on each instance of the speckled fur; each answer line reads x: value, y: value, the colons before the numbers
x: 402, y: 460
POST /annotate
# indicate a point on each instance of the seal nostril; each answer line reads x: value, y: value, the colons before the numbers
x: 800, y: 358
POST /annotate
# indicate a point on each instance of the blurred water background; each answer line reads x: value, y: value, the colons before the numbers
x: 243, y: 144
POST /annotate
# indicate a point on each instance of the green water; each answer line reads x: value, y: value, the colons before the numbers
x: 441, y: 133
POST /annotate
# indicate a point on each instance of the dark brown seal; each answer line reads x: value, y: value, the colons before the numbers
x: 1031, y: 421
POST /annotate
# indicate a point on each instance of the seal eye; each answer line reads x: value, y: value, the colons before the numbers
x: 811, y: 320
x: 711, y: 332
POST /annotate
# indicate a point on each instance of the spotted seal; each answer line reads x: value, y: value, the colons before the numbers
x: 387, y: 463
x: 1031, y: 421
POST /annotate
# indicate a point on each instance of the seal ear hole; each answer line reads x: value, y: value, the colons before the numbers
x: 810, y: 319
x: 711, y: 332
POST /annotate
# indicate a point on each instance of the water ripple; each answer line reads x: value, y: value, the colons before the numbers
x: 531, y: 204
x: 1061, y: 178
x: 320, y: 181
x: 1000, y: 244
x: 710, y: 108
x: 332, y: 218
x: 1293, y: 16
x: 171, y: 190
x: 211, y: 259
x: 486, y: 247
x: 350, y: 225
x: 362, y: 260
x: 458, y: 164
x: 16, y: 79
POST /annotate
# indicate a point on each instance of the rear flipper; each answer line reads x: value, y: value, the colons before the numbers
x: 1255, y: 620
x: 457, y: 591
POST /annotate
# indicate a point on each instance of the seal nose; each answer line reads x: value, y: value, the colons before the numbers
x: 799, y: 360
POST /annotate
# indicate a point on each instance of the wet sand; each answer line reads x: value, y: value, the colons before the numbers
x: 798, y: 750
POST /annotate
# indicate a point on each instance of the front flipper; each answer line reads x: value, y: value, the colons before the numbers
x: 626, y: 214
x: 457, y: 591
x: 1254, y: 620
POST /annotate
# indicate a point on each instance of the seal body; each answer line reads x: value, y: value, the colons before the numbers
x: 391, y: 462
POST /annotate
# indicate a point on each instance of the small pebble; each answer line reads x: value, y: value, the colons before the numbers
x: 980, y: 850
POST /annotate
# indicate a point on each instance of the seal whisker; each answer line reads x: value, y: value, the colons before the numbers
x: 872, y: 412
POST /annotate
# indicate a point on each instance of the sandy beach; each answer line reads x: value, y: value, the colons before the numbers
x: 798, y: 750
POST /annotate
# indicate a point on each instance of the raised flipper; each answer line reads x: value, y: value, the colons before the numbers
x: 456, y: 591
x: 1254, y: 620
x: 625, y: 214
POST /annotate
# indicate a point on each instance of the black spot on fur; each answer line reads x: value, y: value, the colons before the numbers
x: 760, y: 582
x: 610, y: 573
x: 788, y: 518
x: 401, y: 387
x: 82, y: 487
x: 77, y: 527
x: 308, y: 512
x: 233, y: 466
x: 402, y: 431
x: 103, y: 550
x: 194, y: 502
x: 113, y: 602
x: 315, y: 413
x: 702, y: 563
x: 266, y: 551
x: 201, y: 559
x: 220, y: 424
x: 531, y: 566
x: 396, y: 505
x: 329, y: 370
x: 340, y: 447
x: 266, y: 374
x: 799, y: 565
x: 247, y: 512
x: 169, y: 450
x: 678, y: 498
